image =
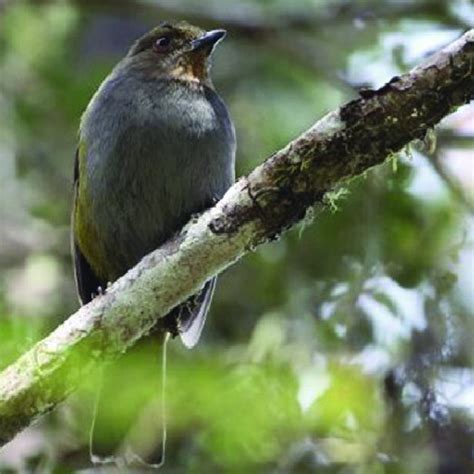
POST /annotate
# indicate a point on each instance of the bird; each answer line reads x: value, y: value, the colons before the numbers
x: 156, y: 146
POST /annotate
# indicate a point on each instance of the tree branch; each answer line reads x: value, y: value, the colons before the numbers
x: 274, y: 197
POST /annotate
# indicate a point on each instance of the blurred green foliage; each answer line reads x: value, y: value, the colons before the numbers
x: 343, y: 347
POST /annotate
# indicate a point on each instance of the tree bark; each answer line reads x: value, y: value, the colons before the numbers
x: 258, y: 208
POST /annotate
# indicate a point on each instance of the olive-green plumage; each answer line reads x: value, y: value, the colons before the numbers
x: 156, y: 145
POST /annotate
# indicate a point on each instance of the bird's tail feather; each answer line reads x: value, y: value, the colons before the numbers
x: 193, y: 314
x: 127, y: 456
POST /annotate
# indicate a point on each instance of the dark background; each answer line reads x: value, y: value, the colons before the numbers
x: 346, y: 346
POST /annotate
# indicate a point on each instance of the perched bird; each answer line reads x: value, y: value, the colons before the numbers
x: 156, y: 145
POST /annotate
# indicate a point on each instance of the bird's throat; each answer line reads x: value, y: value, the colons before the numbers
x: 195, y: 70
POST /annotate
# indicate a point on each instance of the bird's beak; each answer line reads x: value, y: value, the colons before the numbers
x: 208, y: 40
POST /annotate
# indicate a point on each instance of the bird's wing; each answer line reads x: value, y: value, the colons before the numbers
x: 87, y: 283
x: 192, y: 314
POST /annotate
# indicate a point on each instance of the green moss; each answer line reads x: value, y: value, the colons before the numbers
x: 331, y: 198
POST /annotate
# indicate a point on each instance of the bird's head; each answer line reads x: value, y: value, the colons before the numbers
x: 175, y: 50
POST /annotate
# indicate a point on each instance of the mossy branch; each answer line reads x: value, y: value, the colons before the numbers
x: 258, y: 208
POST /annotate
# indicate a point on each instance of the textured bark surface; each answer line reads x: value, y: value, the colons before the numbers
x: 275, y: 196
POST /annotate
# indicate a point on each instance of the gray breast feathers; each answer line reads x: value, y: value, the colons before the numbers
x: 156, y: 154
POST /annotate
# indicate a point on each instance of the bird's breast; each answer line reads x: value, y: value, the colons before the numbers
x: 156, y: 155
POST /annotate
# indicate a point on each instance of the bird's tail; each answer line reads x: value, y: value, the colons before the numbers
x: 193, y: 312
x: 126, y: 455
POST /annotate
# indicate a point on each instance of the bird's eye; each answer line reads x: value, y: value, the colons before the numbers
x: 162, y: 45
